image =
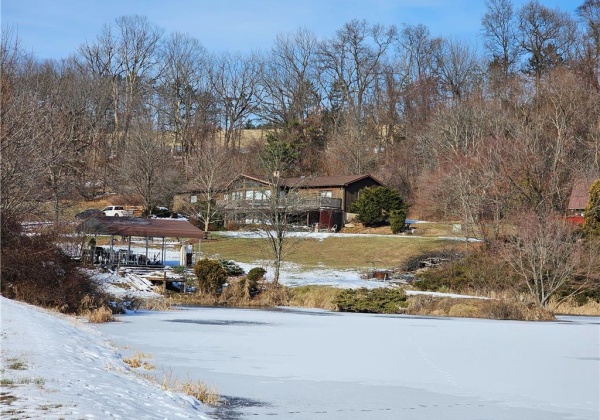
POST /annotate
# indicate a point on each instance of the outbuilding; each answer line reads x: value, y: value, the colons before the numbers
x: 128, y: 227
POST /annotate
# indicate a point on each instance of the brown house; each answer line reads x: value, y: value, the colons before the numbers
x: 321, y: 202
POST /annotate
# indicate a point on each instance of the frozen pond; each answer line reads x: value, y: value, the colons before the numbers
x: 305, y: 364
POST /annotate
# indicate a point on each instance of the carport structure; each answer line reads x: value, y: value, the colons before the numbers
x: 129, y: 227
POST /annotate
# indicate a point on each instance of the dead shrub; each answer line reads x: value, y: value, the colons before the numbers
x: 197, y: 389
x: 137, y: 360
x: 35, y: 270
x: 236, y: 294
x: 155, y: 304
x: 313, y: 297
x: 463, y: 310
x: 572, y: 306
x: 200, y: 391
x: 101, y: 315
x: 477, y: 308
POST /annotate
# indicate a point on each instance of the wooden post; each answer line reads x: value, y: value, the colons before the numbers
x: 165, y: 281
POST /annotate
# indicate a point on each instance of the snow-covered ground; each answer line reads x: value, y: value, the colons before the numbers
x: 290, y: 274
x: 306, y: 364
x: 55, y: 367
x: 299, y: 364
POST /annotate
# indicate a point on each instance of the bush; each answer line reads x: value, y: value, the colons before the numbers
x: 386, y: 301
x: 252, y: 280
x: 101, y: 315
x: 374, y: 206
x: 397, y: 220
x: 480, y: 272
x: 477, y: 308
x: 36, y: 271
x: 211, y: 276
x: 256, y: 274
x: 231, y: 268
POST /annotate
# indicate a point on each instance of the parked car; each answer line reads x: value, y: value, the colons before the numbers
x: 89, y: 213
x: 117, y: 211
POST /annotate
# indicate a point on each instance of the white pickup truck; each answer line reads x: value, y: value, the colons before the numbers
x: 117, y: 211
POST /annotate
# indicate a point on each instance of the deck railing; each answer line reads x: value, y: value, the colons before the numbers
x: 296, y: 203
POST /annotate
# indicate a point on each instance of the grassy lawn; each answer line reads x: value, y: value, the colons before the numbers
x: 336, y: 252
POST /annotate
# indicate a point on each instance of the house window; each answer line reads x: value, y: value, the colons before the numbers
x: 193, y: 199
x: 236, y: 195
x: 325, y: 194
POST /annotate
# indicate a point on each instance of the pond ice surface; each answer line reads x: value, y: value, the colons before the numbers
x: 307, y: 364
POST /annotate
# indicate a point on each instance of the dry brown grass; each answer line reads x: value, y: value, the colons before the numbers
x: 235, y: 295
x: 476, y: 308
x: 157, y: 304
x: 200, y: 391
x: 100, y: 315
x: 336, y: 252
x: 571, y: 307
x: 197, y: 389
x: 137, y: 360
x: 321, y: 297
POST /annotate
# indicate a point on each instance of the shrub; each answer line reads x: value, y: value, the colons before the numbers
x: 397, y: 220
x: 101, y: 315
x: 374, y: 205
x: 480, y: 272
x: 313, y: 296
x: 36, y: 271
x: 477, y: 308
x: 211, y: 276
x: 252, y: 280
x: 256, y: 274
x: 387, y: 301
x: 231, y: 268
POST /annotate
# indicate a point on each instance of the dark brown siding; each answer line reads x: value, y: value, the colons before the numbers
x: 353, y: 189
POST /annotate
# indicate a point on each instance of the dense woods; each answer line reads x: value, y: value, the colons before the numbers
x: 494, y: 137
x: 461, y: 133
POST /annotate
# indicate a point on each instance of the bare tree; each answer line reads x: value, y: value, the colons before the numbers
x: 547, y: 35
x: 282, y: 202
x: 589, y: 14
x: 288, y: 92
x: 182, y: 86
x: 350, y: 67
x: 501, y: 41
x: 544, y: 253
x: 457, y: 69
x: 125, y: 55
x: 211, y: 169
x: 147, y: 171
x: 234, y: 82
x: 20, y: 171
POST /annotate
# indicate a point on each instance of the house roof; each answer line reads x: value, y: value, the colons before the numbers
x: 135, y: 226
x: 293, y: 182
x: 580, y: 194
x: 326, y: 181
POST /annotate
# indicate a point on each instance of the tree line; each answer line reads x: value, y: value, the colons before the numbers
x: 459, y: 133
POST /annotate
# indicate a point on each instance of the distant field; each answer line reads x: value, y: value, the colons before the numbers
x: 336, y: 252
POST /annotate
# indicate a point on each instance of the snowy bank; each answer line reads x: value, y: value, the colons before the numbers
x: 56, y: 367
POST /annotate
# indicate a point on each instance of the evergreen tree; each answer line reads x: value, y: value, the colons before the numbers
x: 375, y: 205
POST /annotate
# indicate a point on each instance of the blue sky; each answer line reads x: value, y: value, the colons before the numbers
x: 55, y: 28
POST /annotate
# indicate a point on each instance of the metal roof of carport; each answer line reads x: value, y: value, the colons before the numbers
x: 135, y: 226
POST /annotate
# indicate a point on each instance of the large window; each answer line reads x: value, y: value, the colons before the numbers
x: 326, y: 193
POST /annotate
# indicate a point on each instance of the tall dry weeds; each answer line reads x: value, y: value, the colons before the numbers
x: 100, y: 315
x: 477, y: 308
